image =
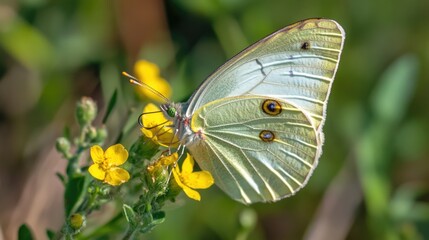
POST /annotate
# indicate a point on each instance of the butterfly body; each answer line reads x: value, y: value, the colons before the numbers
x: 256, y: 123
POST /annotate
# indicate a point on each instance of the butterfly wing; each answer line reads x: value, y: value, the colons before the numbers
x: 257, y: 149
x: 297, y: 63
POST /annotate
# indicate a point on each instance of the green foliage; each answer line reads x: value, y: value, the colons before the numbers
x: 389, y: 102
x: 147, y: 191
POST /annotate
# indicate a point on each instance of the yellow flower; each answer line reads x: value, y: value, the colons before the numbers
x: 157, y: 127
x: 169, y: 159
x: 158, y: 170
x: 149, y: 74
x: 163, y: 161
x: 189, y: 180
x: 106, y: 164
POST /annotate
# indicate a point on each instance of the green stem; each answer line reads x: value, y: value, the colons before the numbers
x: 130, y: 233
x: 73, y: 164
x: 101, y: 230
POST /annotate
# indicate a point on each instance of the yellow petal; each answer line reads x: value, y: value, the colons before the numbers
x: 117, y: 176
x: 166, y: 137
x: 153, y: 116
x: 199, y: 180
x: 149, y: 74
x: 192, y: 193
x: 146, y: 132
x: 188, y: 191
x: 116, y: 155
x: 160, y: 85
x: 167, y: 160
x: 177, y: 177
x: 97, y: 172
x: 97, y: 154
x: 145, y: 69
x: 151, y: 134
x: 161, y: 135
x: 150, y: 107
x: 188, y: 165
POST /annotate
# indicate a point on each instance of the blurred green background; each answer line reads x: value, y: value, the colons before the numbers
x: 372, y: 180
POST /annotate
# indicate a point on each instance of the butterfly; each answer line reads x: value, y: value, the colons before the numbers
x: 256, y: 123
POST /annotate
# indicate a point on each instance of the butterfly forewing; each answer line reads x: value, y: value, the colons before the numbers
x: 297, y: 63
x: 255, y: 156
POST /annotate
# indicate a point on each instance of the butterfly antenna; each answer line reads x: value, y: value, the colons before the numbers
x: 140, y: 119
x: 134, y: 80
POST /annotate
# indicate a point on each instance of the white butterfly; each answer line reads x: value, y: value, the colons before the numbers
x: 256, y: 123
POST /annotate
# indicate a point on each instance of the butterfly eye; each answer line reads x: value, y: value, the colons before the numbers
x: 266, y: 136
x: 271, y: 107
x: 171, y: 111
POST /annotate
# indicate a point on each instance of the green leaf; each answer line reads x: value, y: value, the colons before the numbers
x: 390, y: 98
x: 132, y: 123
x: 230, y: 35
x: 105, y: 231
x: 151, y: 220
x: 61, y: 177
x: 130, y: 215
x: 15, y: 38
x: 75, y: 192
x: 50, y: 234
x: 158, y: 217
x: 111, y: 105
x: 67, y: 133
x: 24, y: 233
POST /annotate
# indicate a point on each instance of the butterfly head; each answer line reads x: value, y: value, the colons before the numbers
x: 170, y: 109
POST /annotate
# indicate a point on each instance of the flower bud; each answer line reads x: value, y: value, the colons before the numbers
x: 77, y: 222
x: 91, y: 189
x: 86, y: 111
x: 63, y: 146
x: 159, y: 177
x: 104, y: 191
x: 101, y: 134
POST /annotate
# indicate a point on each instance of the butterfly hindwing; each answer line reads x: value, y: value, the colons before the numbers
x: 257, y: 148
